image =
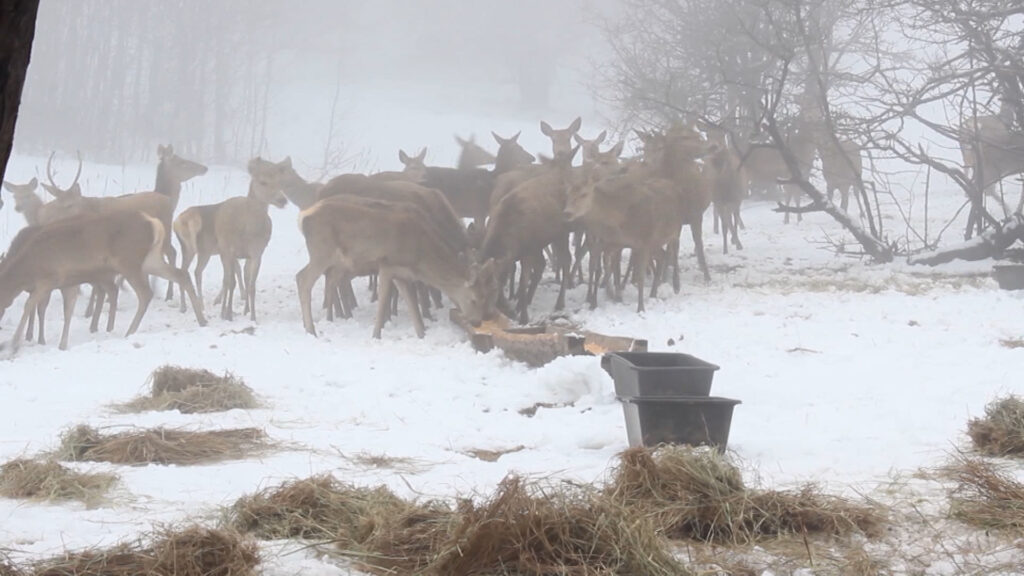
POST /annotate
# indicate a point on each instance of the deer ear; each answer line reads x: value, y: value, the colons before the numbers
x: 572, y: 153
x: 53, y: 191
x: 617, y: 149
x: 160, y: 150
x: 460, y: 141
x: 75, y: 191
x: 600, y: 137
x: 575, y: 126
x: 403, y: 157
x: 545, y: 128
x: 286, y: 163
x: 578, y: 140
x: 516, y: 137
x: 501, y: 141
x: 33, y: 182
x: 422, y: 155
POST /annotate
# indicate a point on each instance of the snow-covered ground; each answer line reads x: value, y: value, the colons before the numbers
x: 848, y: 371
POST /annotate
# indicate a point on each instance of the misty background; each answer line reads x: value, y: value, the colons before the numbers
x: 227, y: 80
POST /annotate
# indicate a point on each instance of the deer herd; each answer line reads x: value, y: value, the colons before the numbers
x: 406, y: 231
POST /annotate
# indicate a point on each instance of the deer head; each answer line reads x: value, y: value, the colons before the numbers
x: 479, y: 297
x: 26, y: 201
x: 268, y: 180
x: 176, y: 168
x: 510, y: 154
x: 70, y: 193
x: 561, y: 140
x: 591, y: 148
x: 415, y: 166
x: 473, y: 155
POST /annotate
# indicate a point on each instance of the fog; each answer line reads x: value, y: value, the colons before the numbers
x: 334, y: 84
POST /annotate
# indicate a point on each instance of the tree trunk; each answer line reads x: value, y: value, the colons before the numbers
x: 17, y: 28
x: 990, y: 243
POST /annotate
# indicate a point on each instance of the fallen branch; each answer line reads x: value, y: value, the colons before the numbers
x: 992, y: 242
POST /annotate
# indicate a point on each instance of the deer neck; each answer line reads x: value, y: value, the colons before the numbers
x: 167, y: 184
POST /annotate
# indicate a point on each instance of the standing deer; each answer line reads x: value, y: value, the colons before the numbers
x: 403, y: 243
x: 841, y: 167
x: 243, y: 227
x: 764, y: 165
x: 992, y: 149
x: 84, y: 249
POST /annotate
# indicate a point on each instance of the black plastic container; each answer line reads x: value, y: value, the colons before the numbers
x: 695, y: 421
x: 660, y: 374
x: 1009, y: 276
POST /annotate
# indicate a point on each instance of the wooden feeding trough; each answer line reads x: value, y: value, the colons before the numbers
x: 539, y: 344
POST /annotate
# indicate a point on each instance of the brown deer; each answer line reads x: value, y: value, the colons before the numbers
x: 590, y: 149
x: 992, y: 148
x: 524, y: 223
x: 469, y: 190
x: 841, y: 167
x: 765, y: 167
x: 561, y: 140
x: 727, y: 178
x: 85, y: 249
x: 243, y: 227
x: 472, y: 155
x: 403, y: 243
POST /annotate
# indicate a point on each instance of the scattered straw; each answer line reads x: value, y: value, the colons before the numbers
x: 1012, y: 343
x: 161, y: 446
x: 492, y: 455
x: 1001, y: 431
x: 48, y: 480
x: 699, y: 494
x: 193, y: 391
x: 192, y: 551
x: 985, y: 496
x: 563, y: 529
x: 7, y: 567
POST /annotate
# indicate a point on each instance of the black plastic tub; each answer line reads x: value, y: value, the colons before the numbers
x: 659, y: 374
x: 1009, y: 276
x: 694, y: 421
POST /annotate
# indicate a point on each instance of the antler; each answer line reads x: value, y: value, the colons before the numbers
x: 79, y: 172
x: 49, y: 170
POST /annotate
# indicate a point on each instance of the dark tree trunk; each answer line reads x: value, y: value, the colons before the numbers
x: 17, y: 28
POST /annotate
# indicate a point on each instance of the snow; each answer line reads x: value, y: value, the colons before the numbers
x: 848, y: 372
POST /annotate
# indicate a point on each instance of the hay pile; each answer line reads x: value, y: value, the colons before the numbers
x: 193, y: 391
x: 1001, y: 431
x: 48, y: 480
x: 192, y: 551
x: 984, y: 496
x: 161, y: 446
x: 698, y: 494
x: 522, y: 529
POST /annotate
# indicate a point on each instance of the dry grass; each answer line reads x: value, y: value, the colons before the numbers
x: 1001, y: 431
x: 365, y: 460
x: 698, y: 494
x: 193, y: 391
x: 161, y: 446
x: 7, y: 567
x: 522, y: 529
x: 47, y: 480
x: 192, y: 551
x: 984, y: 496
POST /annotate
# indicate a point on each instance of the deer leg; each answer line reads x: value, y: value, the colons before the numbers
x: 720, y: 215
x: 113, y: 291
x: 187, y: 254
x: 227, y: 262
x: 696, y: 231
x: 172, y: 260
x: 156, y: 265
x: 564, y: 257
x: 305, y: 280
x: 202, y: 259
x: 69, y: 295
x: 409, y: 293
x: 640, y: 262
x: 435, y: 295
x: 673, y: 260
x: 734, y: 225
x: 521, y: 300
x: 31, y: 305
x: 348, y: 298
x: 372, y: 286
x: 99, y: 294
x: 91, y: 307
x: 44, y: 303
x: 144, y: 294
x: 536, y: 267
x: 383, y: 301
x: 252, y: 271
x: 716, y: 213
x: 423, y: 296
x: 594, y: 273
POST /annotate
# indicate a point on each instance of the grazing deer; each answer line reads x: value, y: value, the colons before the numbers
x: 85, y: 249
x: 403, y: 243
x: 469, y: 190
x: 561, y: 140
